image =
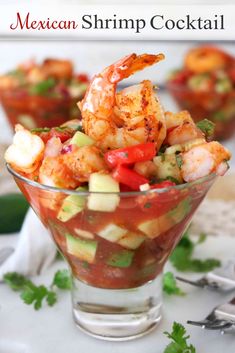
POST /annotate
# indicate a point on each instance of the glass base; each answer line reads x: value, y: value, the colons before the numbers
x: 117, y: 315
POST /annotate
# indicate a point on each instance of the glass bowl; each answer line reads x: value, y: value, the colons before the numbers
x: 38, y: 111
x: 217, y: 107
x: 116, y: 245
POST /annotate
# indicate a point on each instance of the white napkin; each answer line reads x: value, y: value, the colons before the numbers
x: 35, y: 251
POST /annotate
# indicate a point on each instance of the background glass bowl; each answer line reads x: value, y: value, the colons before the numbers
x: 217, y: 107
x: 116, y: 257
x: 35, y: 111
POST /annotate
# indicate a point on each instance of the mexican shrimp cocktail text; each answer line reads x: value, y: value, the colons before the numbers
x: 111, y: 187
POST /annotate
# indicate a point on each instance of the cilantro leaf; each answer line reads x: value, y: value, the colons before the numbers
x: 170, y: 286
x: 206, y: 126
x: 179, y: 340
x: 51, y: 298
x: 15, y: 281
x: 62, y: 279
x: 32, y: 294
x: 179, y: 160
x: 182, y: 260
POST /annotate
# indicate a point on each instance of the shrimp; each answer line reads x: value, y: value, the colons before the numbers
x: 206, y: 59
x: 176, y: 119
x: 54, y: 172
x: 70, y: 169
x: 60, y: 69
x: 129, y: 117
x: 26, y: 152
x: 203, y: 160
x: 181, y: 128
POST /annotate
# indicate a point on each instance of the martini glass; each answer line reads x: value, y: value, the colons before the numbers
x: 116, y: 254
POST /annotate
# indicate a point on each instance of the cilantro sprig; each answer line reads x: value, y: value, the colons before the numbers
x: 32, y: 294
x: 179, y: 339
x: 182, y: 257
x: 170, y: 285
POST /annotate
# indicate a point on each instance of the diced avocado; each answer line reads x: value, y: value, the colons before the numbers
x: 83, y: 249
x: 157, y: 226
x: 102, y: 183
x: 71, y: 205
x: 131, y: 240
x: 167, y: 166
x: 84, y: 233
x: 122, y: 258
x: 112, y: 232
x: 80, y: 139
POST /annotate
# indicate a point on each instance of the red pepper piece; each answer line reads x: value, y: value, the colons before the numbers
x: 129, y: 177
x: 129, y: 155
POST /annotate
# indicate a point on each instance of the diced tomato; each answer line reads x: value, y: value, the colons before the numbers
x: 129, y: 155
x: 129, y: 177
x: 124, y: 188
x: 61, y: 133
x: 163, y: 184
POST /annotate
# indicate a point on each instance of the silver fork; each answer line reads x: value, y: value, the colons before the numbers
x: 221, y: 279
x: 221, y: 318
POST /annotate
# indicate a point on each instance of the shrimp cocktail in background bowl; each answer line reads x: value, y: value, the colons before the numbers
x: 42, y: 95
x: 205, y: 86
x: 116, y: 191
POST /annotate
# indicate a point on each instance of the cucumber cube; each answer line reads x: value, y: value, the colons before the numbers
x: 72, y: 205
x: 80, y: 139
x: 167, y: 166
x: 112, y: 232
x: 155, y: 227
x: 84, y: 250
x: 131, y: 240
x: 102, y: 183
x: 84, y: 233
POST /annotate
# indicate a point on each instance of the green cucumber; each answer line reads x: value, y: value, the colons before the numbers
x: 13, y: 208
x: 80, y: 139
x: 157, y: 226
x: 132, y: 240
x: 102, y: 183
x: 112, y: 232
x: 166, y: 166
x: 122, y: 258
x: 72, y: 205
x: 84, y: 250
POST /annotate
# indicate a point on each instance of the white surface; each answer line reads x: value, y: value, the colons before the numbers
x: 52, y: 329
